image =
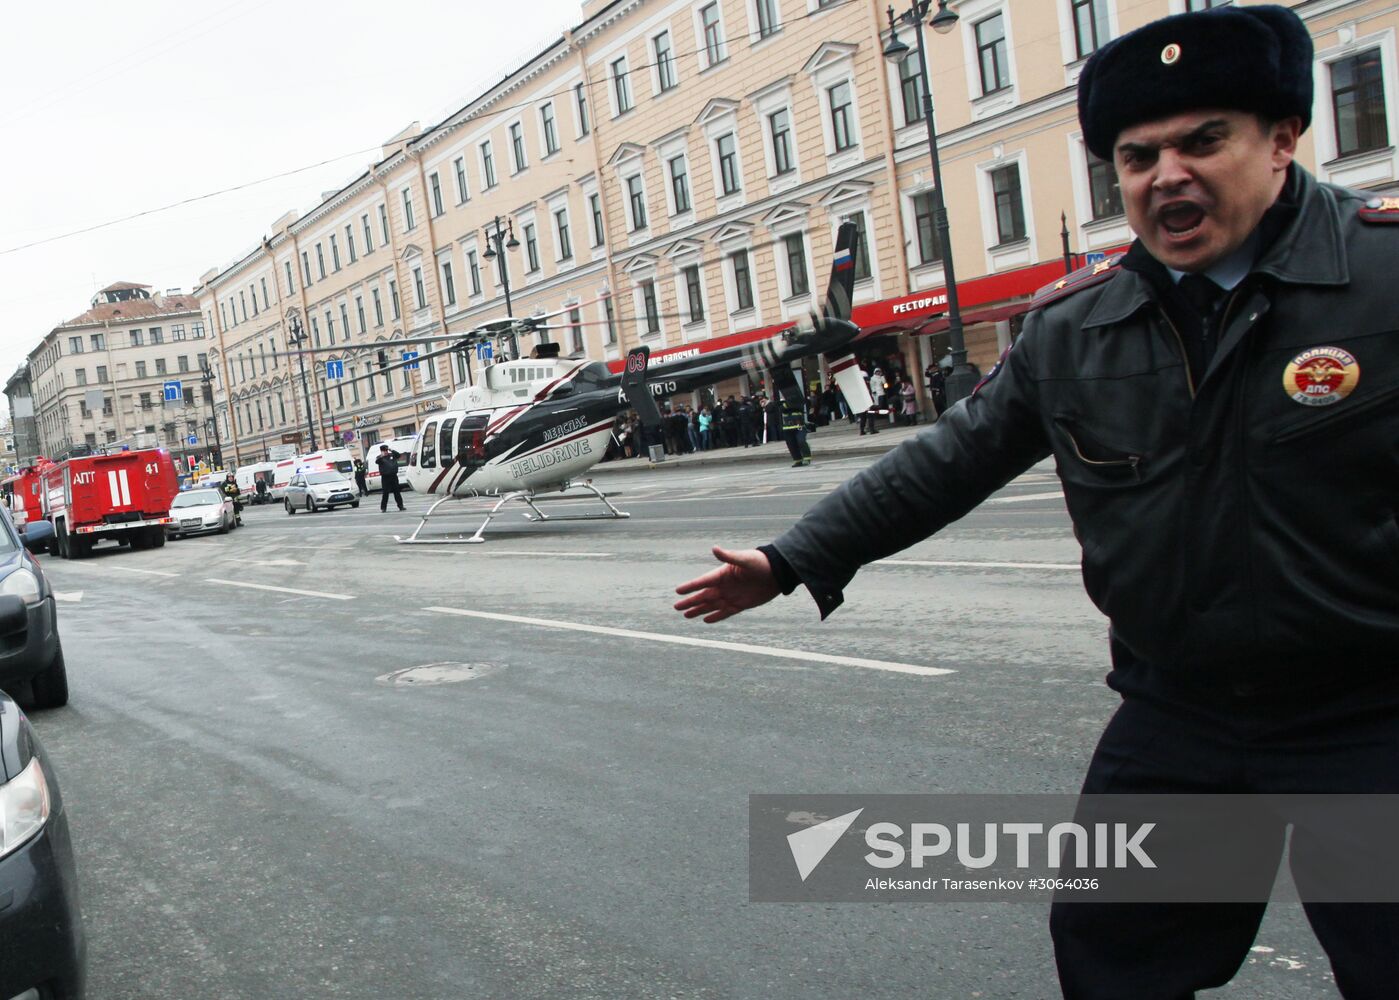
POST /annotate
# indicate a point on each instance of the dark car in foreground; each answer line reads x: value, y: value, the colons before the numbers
x: 30, y: 652
x: 41, y: 933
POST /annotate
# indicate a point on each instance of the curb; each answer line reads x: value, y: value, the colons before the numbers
x: 736, y: 456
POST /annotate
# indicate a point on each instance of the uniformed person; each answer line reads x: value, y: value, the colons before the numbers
x: 1222, y: 403
x: 229, y: 488
x: 794, y: 428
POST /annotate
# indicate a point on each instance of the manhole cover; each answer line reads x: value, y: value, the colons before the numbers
x: 438, y: 673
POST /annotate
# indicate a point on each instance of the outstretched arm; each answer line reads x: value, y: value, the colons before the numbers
x: 745, y: 580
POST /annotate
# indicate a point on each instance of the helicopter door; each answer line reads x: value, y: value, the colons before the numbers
x: 427, y: 456
x: 471, y: 442
x: 445, y: 444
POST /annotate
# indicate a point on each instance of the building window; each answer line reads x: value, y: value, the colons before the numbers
x: 473, y: 272
x: 378, y: 307
x: 368, y: 234
x: 580, y: 98
x: 435, y: 183
x: 862, y: 247
x: 575, y: 325
x: 992, y: 55
x: 329, y: 328
x: 1010, y: 209
x: 1090, y: 25
x: 140, y: 369
x: 517, y: 146
x: 1104, y: 189
x: 384, y: 224
x: 549, y: 129
x: 924, y: 220
x: 393, y: 300
x: 713, y: 34
x: 459, y: 169
x: 664, y: 59
x: 305, y: 269
x: 136, y: 338
x: 487, y: 165
x: 419, y: 292
x: 564, y: 242
x: 99, y: 342
x: 334, y: 263
x: 349, y: 247
x: 611, y: 321
x: 636, y: 200
x: 595, y: 208
x: 531, y: 247
x: 694, y: 293
x: 156, y: 336
x: 767, y: 17
x: 795, y: 247
x: 728, y: 164
x: 679, y: 184
x: 81, y: 376
x: 408, y: 222
x: 911, y: 89
x: 315, y: 337
x: 743, y: 280
x: 291, y: 287
x: 177, y: 332
x: 842, y: 125
x: 344, y: 327
x: 181, y: 364
x: 320, y: 267
x: 196, y: 331
x: 75, y: 345
x: 146, y: 403
x: 1193, y: 5
x: 160, y: 366
x: 359, y: 315
x: 1357, y: 95
x: 621, y: 86
x: 449, y: 288
x: 648, y: 304
x: 780, y: 127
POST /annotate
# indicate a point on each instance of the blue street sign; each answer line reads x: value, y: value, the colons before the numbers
x: 411, y: 358
x: 193, y: 439
x: 1093, y: 258
x: 173, y: 392
x: 484, y: 351
x: 335, y: 369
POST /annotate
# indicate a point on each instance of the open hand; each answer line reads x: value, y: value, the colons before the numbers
x: 744, y: 581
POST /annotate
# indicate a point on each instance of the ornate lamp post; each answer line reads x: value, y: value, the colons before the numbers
x: 960, y: 383
x: 207, y: 377
x: 296, y: 339
x: 500, y: 238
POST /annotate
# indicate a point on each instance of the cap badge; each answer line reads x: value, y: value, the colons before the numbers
x: 1321, y: 376
x: 1170, y: 55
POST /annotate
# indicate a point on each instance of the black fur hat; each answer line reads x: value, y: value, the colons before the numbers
x: 1243, y: 58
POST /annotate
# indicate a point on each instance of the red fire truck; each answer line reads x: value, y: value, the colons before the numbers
x: 124, y: 496
x: 22, y: 492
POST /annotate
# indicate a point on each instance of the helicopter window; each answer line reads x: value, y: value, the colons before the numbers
x: 445, y: 447
x: 429, y: 459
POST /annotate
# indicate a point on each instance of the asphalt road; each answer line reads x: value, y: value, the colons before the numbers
x: 263, y: 807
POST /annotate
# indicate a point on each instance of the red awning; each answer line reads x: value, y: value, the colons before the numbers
x: 940, y: 324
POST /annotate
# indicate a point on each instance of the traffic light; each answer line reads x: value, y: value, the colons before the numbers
x: 335, y: 428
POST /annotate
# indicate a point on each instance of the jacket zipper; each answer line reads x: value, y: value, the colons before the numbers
x: 1340, y: 412
x: 1131, y: 461
x: 1184, y: 354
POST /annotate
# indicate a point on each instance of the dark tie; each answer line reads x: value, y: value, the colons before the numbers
x: 1202, y: 294
x: 1203, y: 297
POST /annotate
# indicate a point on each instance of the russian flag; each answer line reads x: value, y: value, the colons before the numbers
x: 844, y: 260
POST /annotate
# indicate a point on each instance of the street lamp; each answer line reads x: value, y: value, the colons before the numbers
x: 208, y: 379
x: 960, y: 383
x: 296, y: 339
x: 499, y: 239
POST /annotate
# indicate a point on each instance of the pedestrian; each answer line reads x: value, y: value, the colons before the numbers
x: 772, y: 410
x: 361, y: 478
x: 794, y: 428
x: 869, y: 419
x: 387, y: 463
x: 1219, y: 404
x: 229, y: 488
x: 937, y: 391
x: 705, y: 422
x: 910, y: 402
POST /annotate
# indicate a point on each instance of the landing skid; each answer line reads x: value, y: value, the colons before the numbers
x: 527, y: 497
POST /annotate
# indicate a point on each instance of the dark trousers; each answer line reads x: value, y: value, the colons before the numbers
x: 389, y: 487
x: 1167, y: 951
x: 362, y: 483
x: 796, y: 444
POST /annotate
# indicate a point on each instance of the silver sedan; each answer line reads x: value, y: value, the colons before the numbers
x: 313, y: 491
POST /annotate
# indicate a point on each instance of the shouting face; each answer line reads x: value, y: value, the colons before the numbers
x: 1195, y: 184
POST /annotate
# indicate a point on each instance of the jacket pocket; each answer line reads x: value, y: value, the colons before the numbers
x: 1103, y: 462
x: 1306, y: 424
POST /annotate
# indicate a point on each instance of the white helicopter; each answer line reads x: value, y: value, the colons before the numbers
x: 530, y: 428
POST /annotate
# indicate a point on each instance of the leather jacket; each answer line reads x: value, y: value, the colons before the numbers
x: 1231, y: 531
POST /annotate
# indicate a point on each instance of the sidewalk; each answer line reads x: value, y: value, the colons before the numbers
x: 836, y: 440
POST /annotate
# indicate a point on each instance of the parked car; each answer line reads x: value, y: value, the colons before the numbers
x: 199, y: 511
x: 30, y: 651
x: 313, y: 491
x: 42, y: 947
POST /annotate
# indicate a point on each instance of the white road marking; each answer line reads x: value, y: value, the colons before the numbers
x: 684, y: 640
x: 267, y: 562
x: 71, y: 596
x: 1056, y: 495
x: 974, y: 565
x: 282, y: 590
x: 486, y: 550
x: 148, y: 572
x: 318, y: 548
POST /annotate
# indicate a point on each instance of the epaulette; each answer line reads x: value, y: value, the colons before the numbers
x: 1077, y: 281
x: 1381, y: 210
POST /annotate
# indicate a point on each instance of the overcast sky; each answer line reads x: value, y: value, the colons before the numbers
x: 116, y: 108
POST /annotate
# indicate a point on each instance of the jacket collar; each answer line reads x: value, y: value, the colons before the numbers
x: 1308, y: 251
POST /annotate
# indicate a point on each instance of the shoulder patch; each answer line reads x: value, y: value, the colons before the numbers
x: 1380, y: 210
x: 1077, y: 281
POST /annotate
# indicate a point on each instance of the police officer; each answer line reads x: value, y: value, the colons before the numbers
x: 794, y: 427
x: 1222, y: 404
x: 361, y: 478
x: 229, y: 488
